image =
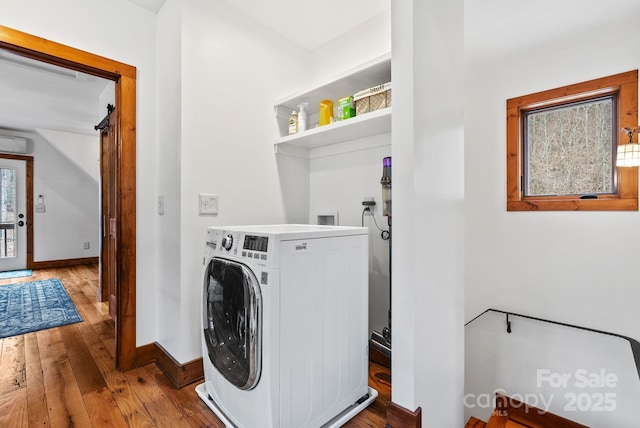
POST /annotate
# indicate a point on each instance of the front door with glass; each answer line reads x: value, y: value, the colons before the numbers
x: 13, y: 230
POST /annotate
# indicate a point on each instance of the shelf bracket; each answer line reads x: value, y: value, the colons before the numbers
x: 290, y: 150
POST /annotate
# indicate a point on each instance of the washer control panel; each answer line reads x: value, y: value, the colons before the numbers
x: 252, y: 248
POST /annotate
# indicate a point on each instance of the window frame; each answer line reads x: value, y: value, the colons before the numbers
x: 625, y: 87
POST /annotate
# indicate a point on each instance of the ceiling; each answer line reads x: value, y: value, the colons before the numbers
x: 309, y: 24
x: 496, y: 28
x: 152, y: 5
x: 36, y: 95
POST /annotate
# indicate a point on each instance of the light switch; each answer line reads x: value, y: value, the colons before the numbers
x: 207, y: 204
x: 161, y: 205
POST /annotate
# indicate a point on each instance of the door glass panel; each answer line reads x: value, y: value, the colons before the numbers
x: 7, y: 212
x: 231, y: 324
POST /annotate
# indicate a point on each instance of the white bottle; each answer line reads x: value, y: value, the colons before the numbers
x: 293, y: 122
x: 302, y: 117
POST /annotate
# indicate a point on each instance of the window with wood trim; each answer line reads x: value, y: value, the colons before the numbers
x: 562, y: 145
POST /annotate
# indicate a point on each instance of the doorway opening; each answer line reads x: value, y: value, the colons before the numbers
x: 124, y: 227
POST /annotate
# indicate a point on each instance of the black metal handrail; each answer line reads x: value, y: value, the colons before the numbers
x: 635, y: 345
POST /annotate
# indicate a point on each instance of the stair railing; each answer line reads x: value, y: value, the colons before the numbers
x: 635, y: 345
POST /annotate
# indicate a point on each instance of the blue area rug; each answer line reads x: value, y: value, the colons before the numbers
x: 15, y: 274
x: 33, y: 306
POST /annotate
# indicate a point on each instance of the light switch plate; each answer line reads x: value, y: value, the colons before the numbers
x: 207, y: 204
x: 161, y: 205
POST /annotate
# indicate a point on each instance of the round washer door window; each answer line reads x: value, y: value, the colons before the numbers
x: 232, y: 321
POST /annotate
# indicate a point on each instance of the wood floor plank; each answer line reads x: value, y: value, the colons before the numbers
x: 50, y: 344
x: 65, y: 404
x: 13, y: 409
x: 187, y: 403
x: 36, y: 396
x: 13, y: 374
x: 106, y: 332
x: 101, y: 346
x: 64, y: 401
x: 131, y: 408
x: 86, y: 371
x: 87, y: 280
x: 158, y: 405
x: 85, y: 306
x: 103, y: 410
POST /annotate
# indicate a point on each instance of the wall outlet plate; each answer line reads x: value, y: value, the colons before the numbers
x: 207, y: 204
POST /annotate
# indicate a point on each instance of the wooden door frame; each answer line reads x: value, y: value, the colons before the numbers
x: 124, y: 77
x: 28, y: 160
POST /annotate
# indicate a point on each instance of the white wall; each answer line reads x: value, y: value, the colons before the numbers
x: 71, y: 199
x: 124, y: 32
x: 168, y: 109
x: 428, y: 301
x: 339, y: 183
x: 108, y: 96
x: 82, y: 150
x: 357, y: 46
x: 576, y: 267
x: 231, y: 72
x: 573, y: 267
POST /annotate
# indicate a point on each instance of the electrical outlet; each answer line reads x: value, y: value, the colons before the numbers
x: 368, y: 201
x: 87, y: 245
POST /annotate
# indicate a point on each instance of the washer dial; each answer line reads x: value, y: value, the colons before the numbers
x: 227, y: 242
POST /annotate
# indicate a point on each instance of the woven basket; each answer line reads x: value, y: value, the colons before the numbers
x: 373, y: 99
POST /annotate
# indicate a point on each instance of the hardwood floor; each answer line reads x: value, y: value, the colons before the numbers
x: 66, y: 377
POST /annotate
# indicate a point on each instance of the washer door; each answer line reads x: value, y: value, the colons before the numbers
x: 232, y: 321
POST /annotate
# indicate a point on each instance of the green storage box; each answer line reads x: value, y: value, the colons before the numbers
x: 346, y: 108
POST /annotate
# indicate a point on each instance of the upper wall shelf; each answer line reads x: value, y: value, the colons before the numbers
x: 369, y: 74
x: 366, y: 125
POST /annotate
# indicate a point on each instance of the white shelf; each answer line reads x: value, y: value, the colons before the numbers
x: 365, y: 125
x: 372, y: 73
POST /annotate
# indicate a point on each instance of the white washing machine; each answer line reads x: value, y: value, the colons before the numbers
x: 285, y: 325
